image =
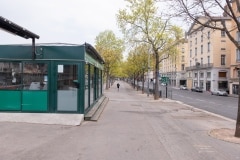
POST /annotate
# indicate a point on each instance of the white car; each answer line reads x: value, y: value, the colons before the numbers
x: 219, y: 92
x: 182, y: 87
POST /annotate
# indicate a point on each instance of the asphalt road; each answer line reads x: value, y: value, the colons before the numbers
x: 224, y: 106
x: 221, y: 105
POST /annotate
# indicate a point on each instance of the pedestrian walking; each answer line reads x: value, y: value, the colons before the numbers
x: 118, y: 85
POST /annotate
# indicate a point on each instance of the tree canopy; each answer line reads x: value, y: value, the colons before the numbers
x: 140, y: 22
x: 111, y: 49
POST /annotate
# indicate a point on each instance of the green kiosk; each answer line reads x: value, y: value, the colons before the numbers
x: 58, y: 78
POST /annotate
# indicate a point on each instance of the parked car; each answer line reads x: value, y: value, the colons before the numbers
x: 219, y: 92
x: 183, y: 87
x: 196, y: 89
x: 163, y: 84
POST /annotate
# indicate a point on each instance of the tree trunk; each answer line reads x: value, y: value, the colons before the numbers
x: 156, y: 95
x: 107, y: 81
x: 237, y: 131
x: 143, y: 83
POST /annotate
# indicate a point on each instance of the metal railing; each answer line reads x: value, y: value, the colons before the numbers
x: 201, y: 66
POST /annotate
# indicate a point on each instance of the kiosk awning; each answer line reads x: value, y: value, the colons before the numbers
x: 16, y: 29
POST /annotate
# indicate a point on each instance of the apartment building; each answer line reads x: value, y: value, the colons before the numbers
x: 235, y: 55
x: 208, y: 56
x: 174, y: 66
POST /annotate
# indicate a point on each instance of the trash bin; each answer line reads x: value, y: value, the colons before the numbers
x: 160, y: 94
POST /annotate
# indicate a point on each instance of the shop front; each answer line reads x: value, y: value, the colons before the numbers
x: 61, y: 78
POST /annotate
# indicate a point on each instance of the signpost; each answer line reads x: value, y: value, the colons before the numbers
x: 165, y: 80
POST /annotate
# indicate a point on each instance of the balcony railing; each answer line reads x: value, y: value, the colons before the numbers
x: 201, y: 66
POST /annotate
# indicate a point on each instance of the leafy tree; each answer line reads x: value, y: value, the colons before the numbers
x: 138, y: 63
x: 111, y: 48
x: 196, y: 10
x: 140, y: 23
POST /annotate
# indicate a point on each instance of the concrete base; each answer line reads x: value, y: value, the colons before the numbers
x: 43, y: 118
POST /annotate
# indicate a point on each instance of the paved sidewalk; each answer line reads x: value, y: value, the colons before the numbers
x: 131, y: 127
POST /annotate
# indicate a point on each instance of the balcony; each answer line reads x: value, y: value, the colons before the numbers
x: 231, y: 80
x: 201, y: 66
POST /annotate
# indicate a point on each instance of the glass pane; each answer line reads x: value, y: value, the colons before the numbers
x: 99, y: 83
x: 35, y: 76
x: 92, y: 85
x: 10, y: 75
x: 68, y: 85
x: 86, y: 86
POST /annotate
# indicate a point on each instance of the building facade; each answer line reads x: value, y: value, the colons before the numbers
x: 174, y: 66
x: 209, y: 57
x: 235, y: 55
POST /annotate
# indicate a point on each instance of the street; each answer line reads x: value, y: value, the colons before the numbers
x: 224, y: 106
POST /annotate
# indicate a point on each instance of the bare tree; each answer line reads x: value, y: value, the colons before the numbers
x: 215, y: 13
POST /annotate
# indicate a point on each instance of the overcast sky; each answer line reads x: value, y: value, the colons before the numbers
x: 61, y: 21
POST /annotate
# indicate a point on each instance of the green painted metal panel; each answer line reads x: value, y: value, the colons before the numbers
x: 34, y: 101
x: 91, y: 60
x: 15, y: 52
x: 63, y: 52
x: 10, y: 100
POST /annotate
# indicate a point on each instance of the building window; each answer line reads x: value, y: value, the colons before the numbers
x: 201, y: 49
x: 190, y: 43
x: 223, y: 33
x: 235, y: 89
x: 11, y: 76
x: 201, y: 61
x: 238, y: 36
x: 195, y: 40
x: 183, y: 67
x: 182, y: 58
x: 190, y: 53
x: 190, y: 63
x: 189, y: 74
x: 208, y: 59
x: 222, y: 74
x: 208, y: 35
x: 201, y: 75
x: 223, y: 59
x: 208, y: 74
x: 195, y: 51
x: 195, y: 75
x: 238, y: 55
x: 201, y: 38
x: 35, y: 76
x: 183, y: 50
x: 209, y: 45
x: 238, y: 19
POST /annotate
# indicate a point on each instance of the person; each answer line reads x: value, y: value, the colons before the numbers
x: 118, y: 85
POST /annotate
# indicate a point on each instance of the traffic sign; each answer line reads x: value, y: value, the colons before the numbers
x: 164, y: 79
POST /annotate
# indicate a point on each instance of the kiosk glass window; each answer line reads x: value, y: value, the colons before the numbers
x: 10, y: 75
x: 67, y: 84
x: 86, y: 86
x: 35, y: 76
x: 100, y: 83
x: 92, y: 84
